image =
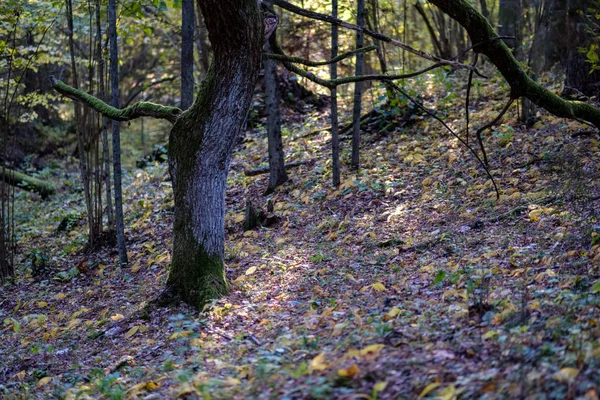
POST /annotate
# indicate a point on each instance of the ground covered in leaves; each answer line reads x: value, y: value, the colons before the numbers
x: 409, y: 280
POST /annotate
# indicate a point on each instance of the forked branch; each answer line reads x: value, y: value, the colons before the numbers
x: 137, y: 110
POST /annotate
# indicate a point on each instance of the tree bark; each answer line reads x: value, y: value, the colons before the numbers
x: 360, y: 21
x: 116, y: 131
x: 335, y: 139
x: 277, y: 172
x: 200, y: 147
x: 187, y: 53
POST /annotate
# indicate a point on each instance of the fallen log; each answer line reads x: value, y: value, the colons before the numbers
x: 27, y: 182
x: 265, y: 170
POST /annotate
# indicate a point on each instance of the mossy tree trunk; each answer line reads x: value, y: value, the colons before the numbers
x: 200, y: 147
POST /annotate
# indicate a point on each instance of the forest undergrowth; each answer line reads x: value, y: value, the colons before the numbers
x: 410, y: 280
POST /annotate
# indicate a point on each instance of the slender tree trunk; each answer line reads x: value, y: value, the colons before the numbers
x: 360, y: 21
x: 116, y: 134
x: 83, y: 167
x: 200, y: 147
x: 277, y: 173
x: 335, y: 140
x: 187, y: 53
x: 105, y: 147
x: 578, y: 79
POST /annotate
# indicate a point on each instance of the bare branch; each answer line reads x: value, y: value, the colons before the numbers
x: 333, y: 83
x: 376, y: 35
x: 303, y: 61
x: 141, y: 109
x: 453, y: 133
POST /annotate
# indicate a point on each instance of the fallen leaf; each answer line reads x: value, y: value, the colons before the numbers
x: 378, y: 286
x: 349, y: 372
x: 132, y: 331
x: 318, y: 363
x: 428, y: 389
x: 117, y: 317
x: 566, y: 374
x: 250, y: 270
x: 44, y: 381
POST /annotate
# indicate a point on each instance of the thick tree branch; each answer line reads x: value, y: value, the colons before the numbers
x: 481, y: 32
x: 141, y: 109
x: 333, y: 83
x: 376, y: 35
x: 303, y: 61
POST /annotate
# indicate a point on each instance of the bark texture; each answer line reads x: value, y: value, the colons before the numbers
x: 277, y: 173
x: 360, y: 21
x: 116, y: 131
x: 200, y: 147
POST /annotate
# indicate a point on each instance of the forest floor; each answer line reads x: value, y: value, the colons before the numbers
x: 410, y: 280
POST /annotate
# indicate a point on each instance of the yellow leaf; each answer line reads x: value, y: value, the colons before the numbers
x: 280, y: 241
x: 44, y: 381
x: 489, y: 334
x: 534, y: 215
x: 250, y: 270
x: 427, y: 181
x: 349, y: 372
x: 20, y: 375
x: 252, y: 234
x: 60, y: 296
x: 448, y: 393
x: 394, y: 312
x: 73, y: 323
x: 378, y: 286
x: 132, y: 331
x: 239, y: 218
x: 238, y: 280
x: 136, y: 267
x: 566, y: 374
x: 349, y: 276
x: 371, y: 350
x: 42, y: 304
x: 318, y: 363
x: 379, y: 386
x: 428, y: 389
x: 117, y: 317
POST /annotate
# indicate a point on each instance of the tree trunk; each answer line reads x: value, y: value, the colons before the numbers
x: 200, y: 147
x: 277, y: 173
x: 509, y: 21
x: 335, y: 140
x: 360, y: 21
x: 105, y: 148
x: 578, y: 79
x: 116, y: 130
x: 187, y: 53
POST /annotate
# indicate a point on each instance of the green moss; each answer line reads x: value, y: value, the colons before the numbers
x: 198, y: 278
x: 141, y: 109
